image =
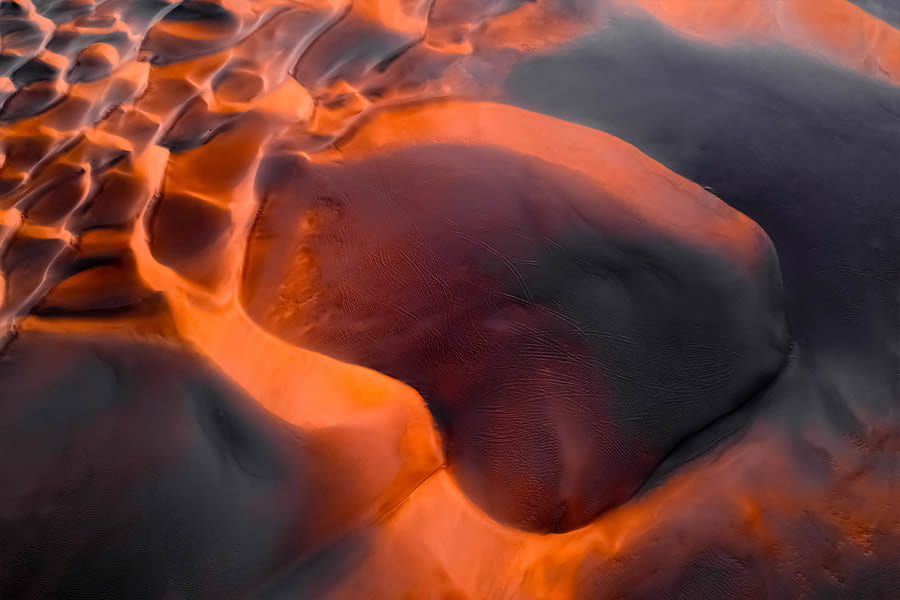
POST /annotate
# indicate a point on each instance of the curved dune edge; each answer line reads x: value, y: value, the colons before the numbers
x: 725, y: 504
x: 386, y: 418
x: 836, y: 29
x: 616, y: 166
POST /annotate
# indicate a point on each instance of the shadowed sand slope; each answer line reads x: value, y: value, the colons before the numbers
x: 804, y: 148
x: 342, y: 299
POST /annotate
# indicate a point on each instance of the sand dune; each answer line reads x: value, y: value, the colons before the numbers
x: 448, y: 299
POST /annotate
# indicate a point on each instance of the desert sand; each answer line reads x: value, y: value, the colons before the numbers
x: 433, y: 299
